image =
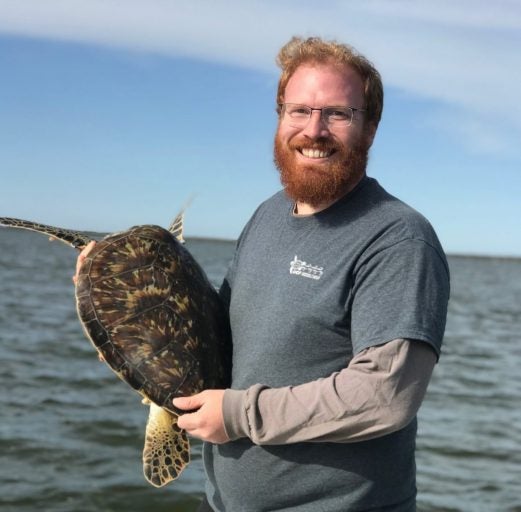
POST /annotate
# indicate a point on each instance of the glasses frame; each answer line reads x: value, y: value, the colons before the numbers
x: 283, y: 106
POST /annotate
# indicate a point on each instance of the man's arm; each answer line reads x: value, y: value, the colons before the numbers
x: 378, y: 393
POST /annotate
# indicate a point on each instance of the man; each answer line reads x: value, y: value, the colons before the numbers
x: 337, y: 298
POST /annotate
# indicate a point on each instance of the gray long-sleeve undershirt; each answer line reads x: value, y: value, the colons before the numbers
x: 379, y: 392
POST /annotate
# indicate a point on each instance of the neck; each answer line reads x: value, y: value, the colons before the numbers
x: 303, y: 209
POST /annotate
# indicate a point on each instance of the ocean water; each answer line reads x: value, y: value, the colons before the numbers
x: 71, y: 433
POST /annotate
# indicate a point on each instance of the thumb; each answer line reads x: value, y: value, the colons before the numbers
x: 188, y: 403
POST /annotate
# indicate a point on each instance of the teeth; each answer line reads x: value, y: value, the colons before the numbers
x: 315, y: 153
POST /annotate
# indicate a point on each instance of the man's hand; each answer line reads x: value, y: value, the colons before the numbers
x: 81, y: 258
x: 79, y: 263
x: 207, y: 422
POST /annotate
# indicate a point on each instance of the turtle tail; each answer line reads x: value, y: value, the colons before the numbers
x: 73, y: 238
x: 177, y: 225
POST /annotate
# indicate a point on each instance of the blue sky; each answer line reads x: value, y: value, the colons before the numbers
x: 115, y: 113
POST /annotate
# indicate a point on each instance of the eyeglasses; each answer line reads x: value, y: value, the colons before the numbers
x: 298, y: 115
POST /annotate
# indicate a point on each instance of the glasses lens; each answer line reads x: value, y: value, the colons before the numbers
x: 338, y: 116
x: 298, y: 115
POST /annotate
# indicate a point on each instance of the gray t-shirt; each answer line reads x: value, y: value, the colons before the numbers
x: 305, y: 295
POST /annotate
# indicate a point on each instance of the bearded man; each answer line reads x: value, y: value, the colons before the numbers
x: 337, y: 298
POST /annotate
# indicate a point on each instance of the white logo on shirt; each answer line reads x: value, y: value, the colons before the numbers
x: 301, y: 268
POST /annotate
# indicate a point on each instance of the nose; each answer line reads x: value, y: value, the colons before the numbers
x: 316, y: 126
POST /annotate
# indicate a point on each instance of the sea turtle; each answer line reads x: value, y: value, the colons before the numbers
x: 152, y: 314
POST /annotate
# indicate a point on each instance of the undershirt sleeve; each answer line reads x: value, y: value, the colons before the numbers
x: 378, y: 393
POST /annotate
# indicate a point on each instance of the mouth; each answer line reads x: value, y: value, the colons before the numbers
x: 316, y: 153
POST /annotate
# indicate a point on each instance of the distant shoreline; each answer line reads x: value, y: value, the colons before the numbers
x: 483, y: 256
x: 456, y: 255
x: 210, y: 239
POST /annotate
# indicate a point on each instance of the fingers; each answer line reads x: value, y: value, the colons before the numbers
x: 189, y: 422
x: 79, y: 262
x: 205, y: 423
x: 81, y: 258
x: 189, y: 403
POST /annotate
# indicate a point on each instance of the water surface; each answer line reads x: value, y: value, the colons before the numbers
x: 71, y: 433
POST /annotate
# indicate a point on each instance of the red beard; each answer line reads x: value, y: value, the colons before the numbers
x: 317, y: 185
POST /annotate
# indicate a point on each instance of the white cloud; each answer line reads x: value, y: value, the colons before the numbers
x: 500, y: 14
x: 461, y: 53
x: 478, y: 134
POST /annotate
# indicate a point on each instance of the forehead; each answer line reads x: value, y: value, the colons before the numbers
x: 318, y: 85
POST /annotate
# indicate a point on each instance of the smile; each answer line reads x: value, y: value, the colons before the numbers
x: 315, y: 153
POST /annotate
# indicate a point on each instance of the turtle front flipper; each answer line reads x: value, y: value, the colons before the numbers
x: 74, y: 238
x: 167, y: 449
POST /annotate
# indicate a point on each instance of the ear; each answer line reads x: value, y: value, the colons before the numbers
x: 370, y: 132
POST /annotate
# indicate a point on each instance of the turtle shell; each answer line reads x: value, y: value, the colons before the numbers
x: 151, y: 312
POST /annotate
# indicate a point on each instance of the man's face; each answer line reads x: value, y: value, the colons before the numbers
x: 318, y: 178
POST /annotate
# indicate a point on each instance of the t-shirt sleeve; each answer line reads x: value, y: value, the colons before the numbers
x: 400, y: 291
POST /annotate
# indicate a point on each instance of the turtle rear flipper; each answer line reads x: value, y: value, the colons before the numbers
x: 167, y: 449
